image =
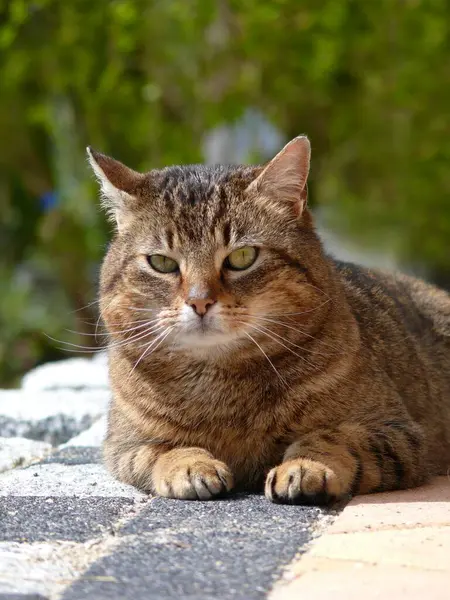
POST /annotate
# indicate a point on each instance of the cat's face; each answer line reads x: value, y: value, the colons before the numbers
x: 208, y: 259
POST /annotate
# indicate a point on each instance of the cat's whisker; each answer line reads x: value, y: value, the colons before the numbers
x: 117, y: 332
x: 317, y: 288
x: 110, y: 324
x: 161, y: 337
x: 98, y: 350
x: 86, y: 351
x: 296, y: 329
x: 97, y: 324
x: 99, y: 317
x: 344, y: 378
x: 134, y: 338
x: 303, y: 312
x: 141, y: 325
x: 85, y: 307
x: 311, y: 350
x: 79, y: 347
x: 270, y: 362
x: 274, y: 336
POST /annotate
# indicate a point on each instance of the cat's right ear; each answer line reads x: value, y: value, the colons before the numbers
x: 284, y: 178
x: 118, y: 185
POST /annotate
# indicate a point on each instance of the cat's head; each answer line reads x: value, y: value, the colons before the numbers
x: 210, y: 259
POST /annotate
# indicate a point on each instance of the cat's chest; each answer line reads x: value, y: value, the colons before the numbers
x: 246, y: 424
x: 244, y: 403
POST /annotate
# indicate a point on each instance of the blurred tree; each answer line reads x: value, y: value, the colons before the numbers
x: 144, y: 80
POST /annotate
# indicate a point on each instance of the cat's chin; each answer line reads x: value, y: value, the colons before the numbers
x: 207, y: 344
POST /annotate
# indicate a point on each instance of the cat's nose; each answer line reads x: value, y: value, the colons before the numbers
x: 200, y: 305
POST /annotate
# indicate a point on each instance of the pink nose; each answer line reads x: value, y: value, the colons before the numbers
x: 200, y: 305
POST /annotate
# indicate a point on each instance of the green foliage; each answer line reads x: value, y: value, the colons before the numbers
x: 144, y: 80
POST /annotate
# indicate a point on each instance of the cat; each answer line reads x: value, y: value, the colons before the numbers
x: 241, y: 356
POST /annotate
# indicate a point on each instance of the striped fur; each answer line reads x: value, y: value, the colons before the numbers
x: 342, y: 386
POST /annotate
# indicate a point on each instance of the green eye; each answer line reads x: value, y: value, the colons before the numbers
x: 162, y: 264
x: 241, y: 259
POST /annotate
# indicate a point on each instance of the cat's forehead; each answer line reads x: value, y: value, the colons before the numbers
x: 197, y: 202
x: 194, y: 184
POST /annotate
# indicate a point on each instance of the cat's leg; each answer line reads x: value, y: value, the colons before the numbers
x: 329, y: 464
x: 184, y: 473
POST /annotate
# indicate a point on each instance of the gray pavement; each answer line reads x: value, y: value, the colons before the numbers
x: 143, y: 547
x: 232, y: 548
x: 69, y: 531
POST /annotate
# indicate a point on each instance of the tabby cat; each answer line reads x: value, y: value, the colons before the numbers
x: 243, y: 357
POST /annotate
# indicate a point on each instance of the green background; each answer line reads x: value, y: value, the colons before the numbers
x: 142, y: 80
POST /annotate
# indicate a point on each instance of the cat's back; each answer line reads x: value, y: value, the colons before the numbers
x: 378, y: 298
x: 404, y: 325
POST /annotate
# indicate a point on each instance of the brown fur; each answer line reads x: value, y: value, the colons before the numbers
x: 345, y: 386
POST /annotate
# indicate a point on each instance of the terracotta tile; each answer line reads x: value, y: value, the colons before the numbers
x: 428, y: 505
x: 356, y: 581
x: 385, y: 546
x: 426, y: 547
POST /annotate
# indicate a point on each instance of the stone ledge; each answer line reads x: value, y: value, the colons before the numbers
x: 53, y: 417
x: 71, y: 374
x: 16, y: 452
x: 93, y: 436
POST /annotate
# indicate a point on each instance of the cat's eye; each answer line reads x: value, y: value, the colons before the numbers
x: 241, y: 259
x: 162, y: 264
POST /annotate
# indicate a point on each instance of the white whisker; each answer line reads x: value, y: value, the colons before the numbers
x: 317, y: 288
x: 85, y: 307
x: 150, y: 346
x: 261, y: 330
x: 100, y: 316
x: 304, y: 312
x: 310, y: 350
x: 134, y: 338
x: 88, y: 350
x: 110, y: 324
x: 270, y: 362
x: 117, y: 332
x: 308, y: 335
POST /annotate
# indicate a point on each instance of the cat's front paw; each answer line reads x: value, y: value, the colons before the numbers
x: 188, y: 474
x: 303, y: 481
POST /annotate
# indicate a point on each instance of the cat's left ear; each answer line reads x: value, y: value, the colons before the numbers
x: 118, y: 185
x: 284, y: 178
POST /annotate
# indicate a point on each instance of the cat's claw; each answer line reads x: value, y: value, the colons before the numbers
x: 302, y: 481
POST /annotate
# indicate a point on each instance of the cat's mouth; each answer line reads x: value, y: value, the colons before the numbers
x: 202, y: 329
x: 204, y: 334
x: 209, y: 332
